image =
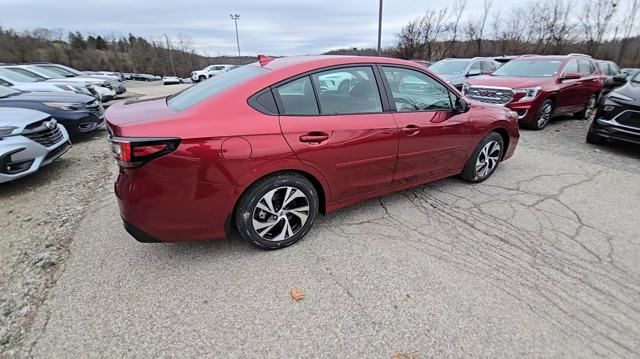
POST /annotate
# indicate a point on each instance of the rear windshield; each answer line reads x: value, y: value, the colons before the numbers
x: 529, y: 68
x: 206, y: 89
x: 450, y: 67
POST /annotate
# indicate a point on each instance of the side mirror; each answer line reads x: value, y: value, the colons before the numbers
x: 571, y: 76
x: 620, y: 78
x: 474, y: 72
x: 461, y: 105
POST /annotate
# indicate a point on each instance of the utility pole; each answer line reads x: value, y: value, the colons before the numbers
x: 380, y: 29
x: 235, y: 18
x: 173, y: 67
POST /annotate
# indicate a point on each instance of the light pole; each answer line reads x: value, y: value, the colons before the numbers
x: 173, y: 67
x: 235, y: 18
x: 380, y: 28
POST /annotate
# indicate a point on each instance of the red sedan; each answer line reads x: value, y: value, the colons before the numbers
x: 266, y: 147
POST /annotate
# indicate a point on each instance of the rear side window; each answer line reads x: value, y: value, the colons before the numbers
x: 297, y: 97
x: 206, y: 89
x: 347, y: 91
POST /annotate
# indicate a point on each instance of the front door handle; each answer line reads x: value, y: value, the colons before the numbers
x: 411, y: 130
x: 314, y: 137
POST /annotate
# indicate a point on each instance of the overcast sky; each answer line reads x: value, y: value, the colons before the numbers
x: 276, y: 27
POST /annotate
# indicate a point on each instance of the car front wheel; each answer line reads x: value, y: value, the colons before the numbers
x: 277, y: 211
x: 543, y: 116
x: 485, y: 159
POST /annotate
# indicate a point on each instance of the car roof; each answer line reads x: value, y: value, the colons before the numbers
x: 330, y: 60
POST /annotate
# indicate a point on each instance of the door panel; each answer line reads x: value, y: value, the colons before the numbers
x: 348, y: 137
x: 358, y: 155
x: 439, y: 146
x: 432, y: 139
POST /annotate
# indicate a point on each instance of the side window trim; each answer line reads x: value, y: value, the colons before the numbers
x: 392, y: 101
x: 386, y: 105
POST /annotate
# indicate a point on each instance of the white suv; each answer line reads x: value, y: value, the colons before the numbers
x: 209, y: 72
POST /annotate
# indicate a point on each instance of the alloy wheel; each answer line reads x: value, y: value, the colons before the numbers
x: 280, y: 213
x: 488, y: 159
x: 545, y: 115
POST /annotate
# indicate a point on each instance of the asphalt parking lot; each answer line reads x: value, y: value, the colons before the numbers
x: 541, y: 260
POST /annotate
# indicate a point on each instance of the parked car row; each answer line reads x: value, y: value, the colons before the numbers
x: 42, y: 106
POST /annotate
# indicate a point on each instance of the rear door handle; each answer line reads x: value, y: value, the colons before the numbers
x: 314, y: 137
x: 411, y: 130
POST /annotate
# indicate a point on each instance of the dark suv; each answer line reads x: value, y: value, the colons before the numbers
x: 541, y: 87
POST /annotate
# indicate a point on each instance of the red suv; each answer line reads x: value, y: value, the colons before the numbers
x: 266, y: 147
x: 541, y: 87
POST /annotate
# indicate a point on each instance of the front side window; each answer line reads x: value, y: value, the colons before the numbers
x: 529, y: 68
x: 347, y: 91
x: 572, y: 66
x: 487, y: 67
x: 58, y: 70
x: 415, y: 91
x: 206, y: 89
x: 297, y: 97
x: 604, y: 68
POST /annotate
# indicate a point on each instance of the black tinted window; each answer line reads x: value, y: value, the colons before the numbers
x: 415, y: 91
x: 348, y: 91
x: 298, y: 98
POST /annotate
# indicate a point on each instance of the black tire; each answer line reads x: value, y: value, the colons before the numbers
x: 594, y: 138
x: 539, y: 122
x: 471, y: 173
x: 202, y: 78
x: 589, y: 108
x: 247, y: 211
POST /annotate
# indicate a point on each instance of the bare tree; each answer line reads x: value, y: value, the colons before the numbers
x: 595, y: 19
x: 459, y: 7
x: 629, y: 24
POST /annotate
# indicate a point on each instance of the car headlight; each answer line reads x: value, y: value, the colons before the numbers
x: 527, y: 94
x: 618, y: 96
x: 67, y: 106
x: 6, y: 131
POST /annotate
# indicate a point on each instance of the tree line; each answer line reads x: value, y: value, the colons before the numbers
x: 130, y: 53
x: 604, y: 29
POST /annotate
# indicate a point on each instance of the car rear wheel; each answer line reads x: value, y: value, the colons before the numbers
x: 543, y: 116
x: 485, y: 159
x: 277, y: 211
x: 588, y: 109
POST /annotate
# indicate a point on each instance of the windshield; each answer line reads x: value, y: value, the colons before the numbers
x: 26, y: 73
x: 529, y: 68
x: 204, y: 90
x: 18, y: 77
x: 450, y: 67
x: 61, y: 73
x: 636, y: 78
x: 6, y: 92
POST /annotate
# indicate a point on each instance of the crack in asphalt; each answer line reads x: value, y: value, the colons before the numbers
x: 582, y: 291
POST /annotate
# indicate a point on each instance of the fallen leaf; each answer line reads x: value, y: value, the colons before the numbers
x: 404, y: 356
x: 297, y: 294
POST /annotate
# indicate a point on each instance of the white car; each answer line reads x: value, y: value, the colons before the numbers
x: 115, y: 82
x: 25, y: 83
x: 209, y: 71
x: 171, y: 80
x: 28, y: 140
x: 102, y: 87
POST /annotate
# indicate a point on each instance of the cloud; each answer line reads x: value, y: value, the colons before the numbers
x: 277, y: 27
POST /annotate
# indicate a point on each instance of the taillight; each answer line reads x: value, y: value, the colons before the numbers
x: 135, y: 152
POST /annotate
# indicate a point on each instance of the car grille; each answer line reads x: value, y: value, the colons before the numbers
x: 95, y: 109
x: 497, y: 96
x: 45, y: 136
x: 629, y: 118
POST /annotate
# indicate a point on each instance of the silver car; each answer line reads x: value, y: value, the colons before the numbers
x: 28, y: 140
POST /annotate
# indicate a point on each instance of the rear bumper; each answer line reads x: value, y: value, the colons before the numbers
x: 157, y: 208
